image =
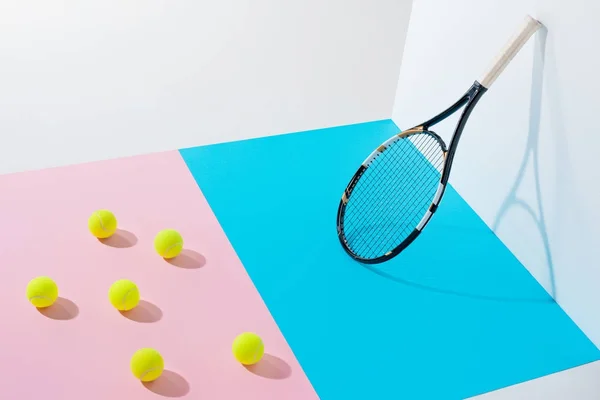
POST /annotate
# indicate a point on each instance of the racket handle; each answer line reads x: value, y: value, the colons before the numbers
x: 529, y: 27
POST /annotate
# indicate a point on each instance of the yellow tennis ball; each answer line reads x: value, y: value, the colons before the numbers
x: 248, y: 348
x: 102, y: 224
x: 42, y: 291
x: 147, y: 364
x: 168, y: 243
x: 124, y: 295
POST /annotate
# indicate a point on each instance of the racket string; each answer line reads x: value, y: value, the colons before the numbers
x: 378, y: 173
x: 392, y: 195
x: 412, y: 203
x: 404, y: 163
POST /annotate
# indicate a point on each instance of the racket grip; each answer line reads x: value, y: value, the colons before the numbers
x: 527, y: 29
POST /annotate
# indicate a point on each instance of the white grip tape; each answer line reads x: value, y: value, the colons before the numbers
x: 529, y: 27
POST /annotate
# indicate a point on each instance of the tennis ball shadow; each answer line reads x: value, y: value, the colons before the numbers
x: 270, y: 367
x: 62, y: 310
x: 188, y: 259
x: 121, y: 239
x: 169, y: 384
x: 144, y: 312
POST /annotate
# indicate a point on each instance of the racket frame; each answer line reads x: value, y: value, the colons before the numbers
x: 468, y: 100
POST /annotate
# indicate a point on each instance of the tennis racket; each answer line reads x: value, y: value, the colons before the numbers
x: 397, y: 189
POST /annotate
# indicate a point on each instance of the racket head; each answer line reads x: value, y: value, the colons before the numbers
x: 392, y: 196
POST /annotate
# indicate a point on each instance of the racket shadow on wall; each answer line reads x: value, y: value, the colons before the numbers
x: 512, y: 200
x: 397, y: 189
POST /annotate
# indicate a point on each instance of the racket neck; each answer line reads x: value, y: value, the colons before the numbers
x: 472, y: 98
x: 450, y: 110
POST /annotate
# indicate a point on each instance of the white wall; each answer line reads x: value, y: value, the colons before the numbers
x: 87, y: 80
x: 542, y: 111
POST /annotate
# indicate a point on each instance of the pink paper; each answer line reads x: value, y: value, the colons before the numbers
x: 191, y: 309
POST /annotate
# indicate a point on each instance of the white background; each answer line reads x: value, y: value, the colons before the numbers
x: 88, y: 80
x: 542, y: 112
x: 83, y: 81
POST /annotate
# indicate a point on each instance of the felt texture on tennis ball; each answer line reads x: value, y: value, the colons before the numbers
x: 147, y: 364
x: 42, y: 291
x: 248, y: 348
x: 168, y: 243
x: 124, y: 295
x: 102, y: 224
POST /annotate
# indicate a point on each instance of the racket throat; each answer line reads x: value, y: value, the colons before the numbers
x: 473, y: 96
